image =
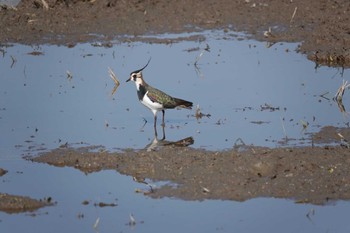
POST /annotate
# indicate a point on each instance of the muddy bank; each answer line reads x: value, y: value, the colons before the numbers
x: 322, y: 26
x: 15, y: 204
x: 2, y: 171
x: 311, y: 174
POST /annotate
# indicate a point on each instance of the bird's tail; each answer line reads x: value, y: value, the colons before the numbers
x: 183, y: 103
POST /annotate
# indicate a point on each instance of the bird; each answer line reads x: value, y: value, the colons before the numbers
x: 154, y: 99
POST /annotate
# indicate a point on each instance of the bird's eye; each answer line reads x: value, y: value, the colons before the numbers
x: 134, y: 76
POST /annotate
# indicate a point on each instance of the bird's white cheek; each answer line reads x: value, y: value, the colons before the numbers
x: 137, y: 83
x: 137, y: 86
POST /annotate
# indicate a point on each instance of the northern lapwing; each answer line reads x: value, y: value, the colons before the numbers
x: 153, y: 98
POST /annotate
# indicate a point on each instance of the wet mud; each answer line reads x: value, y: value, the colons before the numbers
x: 16, y: 204
x: 315, y: 174
x: 2, y: 171
x: 322, y: 27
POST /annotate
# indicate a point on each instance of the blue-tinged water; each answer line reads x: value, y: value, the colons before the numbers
x: 257, y: 94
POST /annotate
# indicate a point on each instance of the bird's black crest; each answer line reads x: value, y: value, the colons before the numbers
x: 136, y: 71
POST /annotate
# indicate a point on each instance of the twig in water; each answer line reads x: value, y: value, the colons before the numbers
x: 199, y: 73
x: 284, y: 129
x: 13, y: 60
x: 24, y: 71
x: 3, y: 51
x: 199, y: 113
x: 69, y: 75
x: 113, y: 76
x: 310, y: 213
x: 323, y: 95
x: 339, y: 95
x: 341, y: 107
x: 96, y: 223
x: 304, y: 124
x: 114, y: 90
x: 144, y: 124
x: 238, y: 144
x: 132, y: 221
x: 115, y: 79
x: 198, y: 57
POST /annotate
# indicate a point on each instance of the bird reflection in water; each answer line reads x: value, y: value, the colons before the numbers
x: 158, y: 143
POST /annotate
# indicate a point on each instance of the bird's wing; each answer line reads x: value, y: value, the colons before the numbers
x: 160, y: 97
x: 152, y: 96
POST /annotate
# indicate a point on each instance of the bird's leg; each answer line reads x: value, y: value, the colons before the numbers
x: 163, y: 124
x: 163, y: 133
x: 155, y: 124
x: 155, y: 134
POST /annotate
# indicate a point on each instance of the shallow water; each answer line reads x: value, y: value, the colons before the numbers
x: 10, y: 2
x: 257, y: 94
x: 69, y: 188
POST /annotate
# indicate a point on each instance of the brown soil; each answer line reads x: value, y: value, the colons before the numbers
x: 2, y: 171
x: 322, y: 26
x: 16, y: 204
x: 306, y: 174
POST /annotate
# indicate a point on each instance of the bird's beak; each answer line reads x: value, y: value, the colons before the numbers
x: 128, y: 80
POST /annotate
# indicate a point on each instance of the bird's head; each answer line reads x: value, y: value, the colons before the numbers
x: 136, y: 75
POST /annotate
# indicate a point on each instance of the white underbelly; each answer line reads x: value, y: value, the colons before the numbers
x: 150, y: 104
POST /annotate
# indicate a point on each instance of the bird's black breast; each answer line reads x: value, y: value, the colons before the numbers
x: 141, y: 92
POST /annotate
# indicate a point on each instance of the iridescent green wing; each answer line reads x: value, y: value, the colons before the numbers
x: 158, y: 96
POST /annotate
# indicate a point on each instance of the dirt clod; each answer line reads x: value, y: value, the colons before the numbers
x: 16, y: 204
x: 2, y: 172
